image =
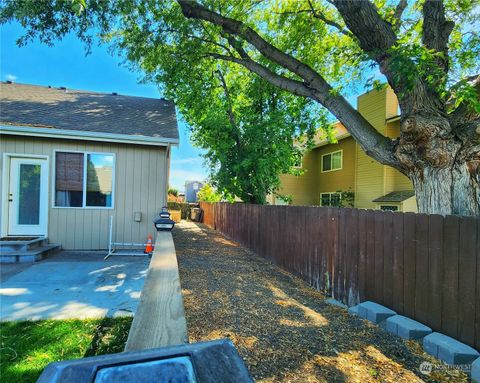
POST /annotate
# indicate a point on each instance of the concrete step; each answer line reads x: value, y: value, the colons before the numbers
x: 21, y: 244
x: 32, y: 255
x: 449, y: 350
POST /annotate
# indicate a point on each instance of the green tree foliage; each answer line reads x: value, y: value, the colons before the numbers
x: 208, y: 194
x: 245, y: 125
x: 318, y: 49
x: 173, y: 191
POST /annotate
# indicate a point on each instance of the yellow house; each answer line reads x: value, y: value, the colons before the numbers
x: 331, y: 170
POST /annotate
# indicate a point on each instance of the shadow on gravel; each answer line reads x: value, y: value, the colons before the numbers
x: 284, y: 329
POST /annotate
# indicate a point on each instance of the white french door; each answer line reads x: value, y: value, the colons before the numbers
x: 28, y: 196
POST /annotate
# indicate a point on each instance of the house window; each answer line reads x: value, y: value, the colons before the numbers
x: 84, y: 179
x: 389, y: 207
x: 330, y: 199
x: 332, y: 161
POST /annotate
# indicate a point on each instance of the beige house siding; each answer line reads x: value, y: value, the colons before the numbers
x: 343, y: 179
x: 394, y: 180
x: 370, y: 173
x: 410, y: 205
x: 302, y: 188
x: 360, y: 173
x: 140, y: 186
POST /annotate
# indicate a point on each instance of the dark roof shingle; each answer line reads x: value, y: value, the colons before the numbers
x: 396, y: 196
x: 41, y: 106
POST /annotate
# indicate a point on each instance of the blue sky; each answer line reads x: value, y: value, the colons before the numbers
x: 65, y: 64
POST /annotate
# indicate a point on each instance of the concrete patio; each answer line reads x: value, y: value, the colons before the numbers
x: 72, y: 285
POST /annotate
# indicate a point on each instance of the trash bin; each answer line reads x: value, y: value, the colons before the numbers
x: 195, y: 214
x: 203, y: 362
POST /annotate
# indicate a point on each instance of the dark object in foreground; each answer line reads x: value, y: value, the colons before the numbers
x: 214, y: 361
x: 163, y: 222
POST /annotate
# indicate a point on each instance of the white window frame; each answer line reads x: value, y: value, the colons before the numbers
x: 391, y: 205
x: 331, y: 154
x: 322, y: 193
x: 84, y: 200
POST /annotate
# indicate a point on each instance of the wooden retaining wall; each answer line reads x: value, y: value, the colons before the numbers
x: 426, y: 267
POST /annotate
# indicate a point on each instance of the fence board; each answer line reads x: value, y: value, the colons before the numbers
x: 409, y: 264
x: 426, y: 267
x: 397, y: 263
x: 378, y: 244
x: 477, y: 278
x: 362, y: 254
x: 421, y: 274
x: 370, y: 254
x: 388, y: 275
x: 450, y: 275
x: 435, y: 267
x: 466, y: 287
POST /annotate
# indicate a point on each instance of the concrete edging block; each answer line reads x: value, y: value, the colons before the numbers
x: 353, y: 310
x: 475, y: 373
x: 406, y: 328
x: 334, y: 302
x: 374, y: 312
x: 449, y: 350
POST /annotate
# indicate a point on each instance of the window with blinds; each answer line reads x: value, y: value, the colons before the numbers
x: 69, y: 179
x: 84, y: 179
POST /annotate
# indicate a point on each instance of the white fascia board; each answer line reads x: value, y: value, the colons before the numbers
x: 86, y: 135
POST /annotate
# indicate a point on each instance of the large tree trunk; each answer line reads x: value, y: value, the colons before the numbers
x: 447, y: 190
x: 444, y: 169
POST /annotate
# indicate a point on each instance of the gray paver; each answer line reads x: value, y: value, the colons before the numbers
x: 475, y: 374
x: 353, y: 310
x: 449, y: 350
x: 406, y: 328
x: 374, y: 312
x: 334, y: 302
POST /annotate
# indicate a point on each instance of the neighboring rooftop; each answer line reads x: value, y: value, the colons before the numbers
x: 79, y: 110
x: 396, y: 196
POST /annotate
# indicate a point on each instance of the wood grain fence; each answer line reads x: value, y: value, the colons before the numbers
x: 426, y: 267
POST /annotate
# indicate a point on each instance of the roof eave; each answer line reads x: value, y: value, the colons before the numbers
x: 86, y: 135
x: 326, y: 142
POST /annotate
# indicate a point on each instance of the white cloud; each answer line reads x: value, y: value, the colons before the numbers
x: 10, y: 77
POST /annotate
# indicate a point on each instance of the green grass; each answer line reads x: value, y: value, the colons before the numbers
x: 27, y: 347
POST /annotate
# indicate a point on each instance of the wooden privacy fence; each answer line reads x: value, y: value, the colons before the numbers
x: 426, y: 267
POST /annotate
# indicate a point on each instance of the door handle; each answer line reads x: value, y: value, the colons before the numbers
x: 10, y: 197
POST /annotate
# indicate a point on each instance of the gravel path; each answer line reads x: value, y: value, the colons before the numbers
x: 284, y: 329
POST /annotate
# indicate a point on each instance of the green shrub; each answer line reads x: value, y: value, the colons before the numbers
x: 185, y: 207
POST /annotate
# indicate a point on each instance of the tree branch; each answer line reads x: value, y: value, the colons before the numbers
x: 314, y: 85
x: 465, y: 119
x: 402, y: 4
x: 293, y: 86
x: 231, y: 115
x: 377, y: 37
x: 436, y: 30
x: 321, y: 16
